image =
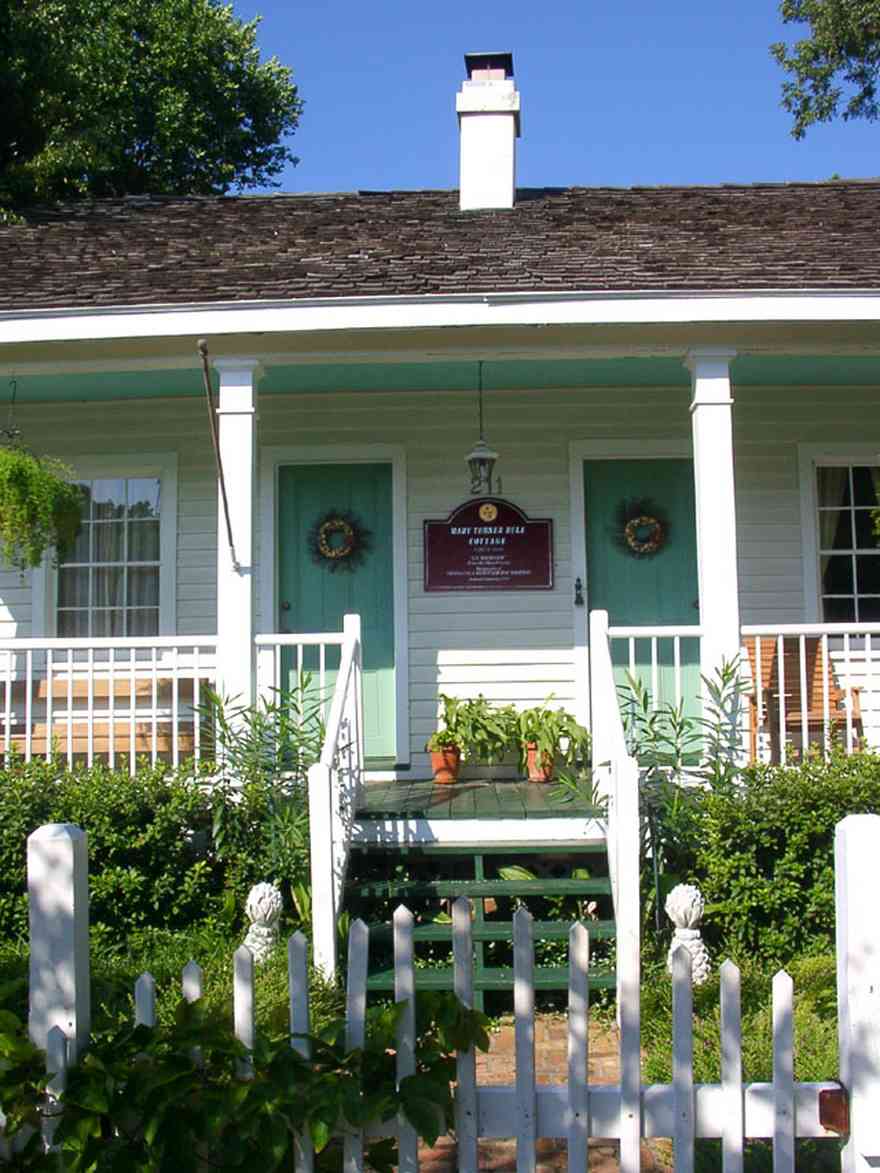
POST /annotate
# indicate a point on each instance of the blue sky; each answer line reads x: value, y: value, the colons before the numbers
x: 617, y: 93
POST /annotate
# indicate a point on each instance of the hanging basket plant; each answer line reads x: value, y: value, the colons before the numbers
x: 40, y: 508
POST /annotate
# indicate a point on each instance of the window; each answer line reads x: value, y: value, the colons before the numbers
x: 109, y: 583
x: 849, y: 558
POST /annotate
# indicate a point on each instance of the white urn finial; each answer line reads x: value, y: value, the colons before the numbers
x: 263, y: 910
x: 684, y: 907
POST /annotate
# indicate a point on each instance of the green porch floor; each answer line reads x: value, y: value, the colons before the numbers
x: 480, y: 799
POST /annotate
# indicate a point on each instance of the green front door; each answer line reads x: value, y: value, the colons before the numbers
x: 652, y: 590
x: 312, y: 597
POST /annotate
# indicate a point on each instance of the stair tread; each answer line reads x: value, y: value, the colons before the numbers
x: 550, y: 930
x: 547, y: 977
x: 454, y: 888
x: 550, y: 847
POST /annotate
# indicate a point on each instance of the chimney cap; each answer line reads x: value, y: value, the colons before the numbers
x: 483, y: 62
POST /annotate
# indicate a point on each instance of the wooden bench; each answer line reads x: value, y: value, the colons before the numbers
x: 823, y: 703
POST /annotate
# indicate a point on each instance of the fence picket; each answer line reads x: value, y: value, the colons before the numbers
x: 192, y: 981
x: 683, y: 1060
x: 405, y: 991
x: 145, y: 1000
x: 298, y: 990
x: 524, y: 1039
x: 244, y: 1009
x: 466, y: 1126
x: 578, y: 1045
x: 783, y: 1074
x: 731, y: 1070
x: 355, y: 1026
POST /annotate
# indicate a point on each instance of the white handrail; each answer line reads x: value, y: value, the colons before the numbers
x: 684, y: 631
x: 334, y: 790
x: 765, y: 629
x: 104, y: 643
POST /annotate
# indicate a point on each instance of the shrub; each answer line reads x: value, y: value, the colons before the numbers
x: 762, y: 851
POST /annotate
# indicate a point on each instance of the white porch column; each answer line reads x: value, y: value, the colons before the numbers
x: 712, y: 419
x: 236, y: 422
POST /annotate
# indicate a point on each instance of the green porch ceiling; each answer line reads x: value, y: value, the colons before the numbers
x: 528, y: 374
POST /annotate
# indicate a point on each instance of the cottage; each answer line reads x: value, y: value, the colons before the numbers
x: 679, y: 387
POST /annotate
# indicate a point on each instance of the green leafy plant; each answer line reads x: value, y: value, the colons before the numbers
x: 553, y: 733
x: 40, y: 508
x: 187, y: 1096
x: 475, y: 727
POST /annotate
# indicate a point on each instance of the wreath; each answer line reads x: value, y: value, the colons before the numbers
x: 339, y: 541
x: 642, y: 529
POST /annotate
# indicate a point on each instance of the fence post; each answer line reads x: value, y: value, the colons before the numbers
x: 58, y: 898
x: 856, y: 883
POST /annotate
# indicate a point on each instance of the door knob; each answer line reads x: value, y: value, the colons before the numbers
x: 285, y: 606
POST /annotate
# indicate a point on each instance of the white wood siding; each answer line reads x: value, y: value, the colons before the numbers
x: 510, y: 645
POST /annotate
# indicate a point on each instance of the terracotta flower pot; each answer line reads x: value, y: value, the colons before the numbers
x: 538, y: 772
x: 446, y: 763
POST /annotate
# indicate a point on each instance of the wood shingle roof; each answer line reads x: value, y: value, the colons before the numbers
x: 174, y: 250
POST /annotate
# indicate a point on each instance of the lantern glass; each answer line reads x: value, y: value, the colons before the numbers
x: 481, y: 462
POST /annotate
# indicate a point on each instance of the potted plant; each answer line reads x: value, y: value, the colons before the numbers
x: 468, y: 728
x: 546, y: 734
x: 40, y: 509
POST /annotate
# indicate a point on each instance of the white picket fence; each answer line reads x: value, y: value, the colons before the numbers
x: 576, y: 1111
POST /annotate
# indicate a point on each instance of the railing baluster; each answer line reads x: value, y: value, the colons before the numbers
x: 655, y: 674
x: 70, y: 707
x: 154, y: 707
x: 322, y: 670
x: 826, y: 700
x: 802, y: 667
x: 780, y: 672
x: 869, y: 673
x: 132, y: 711
x: 759, y: 696
x: 676, y: 667
x: 847, y: 693
x: 111, y: 705
x: 11, y: 658
x: 50, y: 689
x: 196, y: 703
x: 175, y: 706
x: 29, y: 705
x: 90, y: 706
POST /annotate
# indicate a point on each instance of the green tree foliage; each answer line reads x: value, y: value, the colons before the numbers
x: 130, y: 97
x: 833, y: 71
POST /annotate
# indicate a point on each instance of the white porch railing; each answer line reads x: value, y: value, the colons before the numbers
x: 334, y: 789
x: 281, y: 657
x: 665, y: 659
x: 113, y: 699
x: 812, y: 685
x: 617, y: 777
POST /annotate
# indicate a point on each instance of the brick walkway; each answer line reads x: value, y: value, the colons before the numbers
x: 551, y: 1060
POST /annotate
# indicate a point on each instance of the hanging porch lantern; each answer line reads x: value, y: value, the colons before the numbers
x: 481, y: 458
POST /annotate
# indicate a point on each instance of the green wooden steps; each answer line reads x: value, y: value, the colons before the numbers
x: 451, y: 889
x: 544, y: 930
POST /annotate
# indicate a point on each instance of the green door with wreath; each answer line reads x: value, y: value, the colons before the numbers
x: 635, y: 584
x: 316, y: 589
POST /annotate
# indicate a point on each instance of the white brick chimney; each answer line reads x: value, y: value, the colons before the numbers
x: 488, y: 119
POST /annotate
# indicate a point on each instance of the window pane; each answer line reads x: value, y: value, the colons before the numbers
x: 839, y: 610
x: 865, y: 485
x: 865, y: 539
x: 143, y: 587
x: 80, y: 551
x: 835, y: 529
x: 143, y: 621
x: 833, y: 486
x: 73, y: 588
x: 108, y: 500
x: 108, y: 586
x: 837, y: 574
x: 868, y: 574
x: 109, y: 543
x: 143, y: 497
x: 73, y: 624
x: 108, y: 623
x: 869, y: 610
x: 143, y: 541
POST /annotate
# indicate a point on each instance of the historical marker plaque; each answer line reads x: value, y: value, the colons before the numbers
x: 488, y: 545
